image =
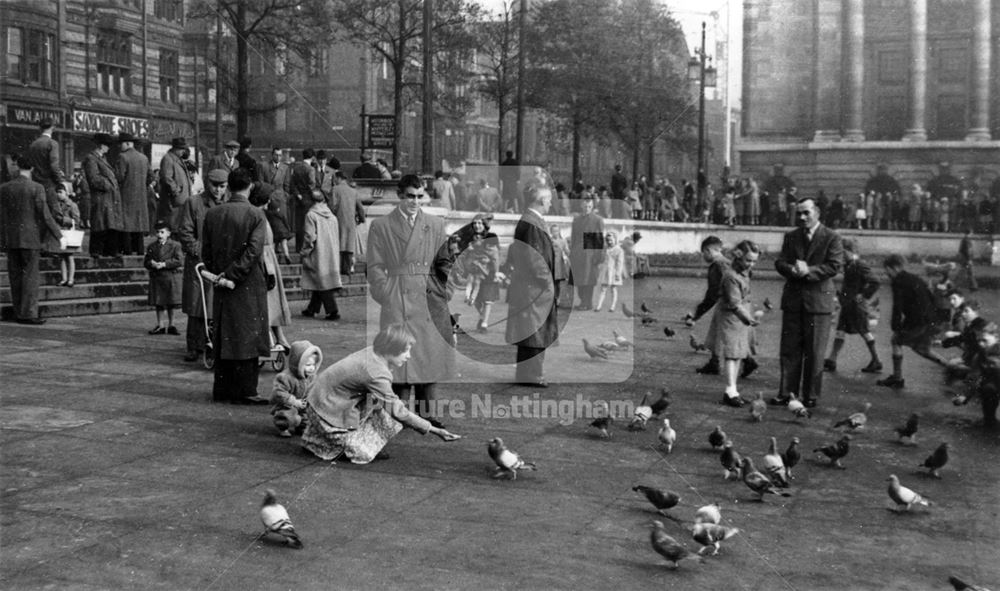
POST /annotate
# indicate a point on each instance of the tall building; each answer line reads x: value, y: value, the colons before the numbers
x: 92, y: 67
x: 832, y: 88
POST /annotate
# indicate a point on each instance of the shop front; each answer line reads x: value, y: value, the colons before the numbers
x: 19, y: 127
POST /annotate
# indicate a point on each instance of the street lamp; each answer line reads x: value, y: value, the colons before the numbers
x: 706, y: 78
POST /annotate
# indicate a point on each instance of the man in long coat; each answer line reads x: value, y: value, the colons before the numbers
x: 408, y: 267
x: 350, y: 212
x: 43, y: 153
x: 302, y: 182
x: 532, y: 324
x: 275, y: 172
x: 25, y: 220
x: 586, y: 251
x: 134, y: 178
x: 225, y: 160
x: 189, y: 233
x: 232, y: 245
x: 811, y: 256
x: 106, y: 222
x: 175, y: 184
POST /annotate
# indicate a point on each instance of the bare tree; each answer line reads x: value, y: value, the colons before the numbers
x: 497, y: 41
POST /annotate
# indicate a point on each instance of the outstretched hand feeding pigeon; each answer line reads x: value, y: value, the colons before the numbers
x: 275, y: 519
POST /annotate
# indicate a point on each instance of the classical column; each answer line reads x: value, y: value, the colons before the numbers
x: 917, y: 130
x: 855, y: 39
x: 980, y: 119
x: 828, y: 62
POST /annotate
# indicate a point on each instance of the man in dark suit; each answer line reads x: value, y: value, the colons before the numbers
x: 301, y: 183
x: 532, y: 324
x: 43, y: 153
x: 24, y: 220
x: 811, y: 256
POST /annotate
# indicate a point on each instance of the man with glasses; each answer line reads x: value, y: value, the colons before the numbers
x: 189, y: 234
x: 408, y: 267
x: 811, y: 256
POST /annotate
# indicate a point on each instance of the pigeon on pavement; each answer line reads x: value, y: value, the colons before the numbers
x: 661, y: 499
x: 774, y: 465
x: 627, y: 311
x: 645, y: 411
x: 667, y: 436
x: 661, y: 403
x: 508, y: 462
x: 621, y: 341
x: 836, y: 451
x: 961, y: 585
x: 717, y: 438
x: 791, y: 456
x: 594, y: 352
x: 708, y: 514
x: 603, y: 421
x: 797, y: 408
x: 855, y: 421
x: 711, y: 535
x: 908, y: 431
x: 275, y: 519
x: 757, y: 482
x: 698, y: 347
x: 669, y: 332
x: 731, y: 461
x: 609, y: 346
x: 647, y: 320
x: 668, y: 547
x: 937, y: 460
x: 902, y: 496
x: 757, y: 408
x: 645, y: 309
x: 768, y: 305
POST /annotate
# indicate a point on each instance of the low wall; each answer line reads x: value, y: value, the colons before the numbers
x: 671, y: 238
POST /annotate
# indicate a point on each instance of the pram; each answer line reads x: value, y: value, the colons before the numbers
x: 277, y: 356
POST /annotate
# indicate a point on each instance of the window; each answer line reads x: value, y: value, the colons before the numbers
x: 316, y: 62
x: 114, y: 63
x: 168, y: 76
x: 30, y: 56
x: 171, y: 10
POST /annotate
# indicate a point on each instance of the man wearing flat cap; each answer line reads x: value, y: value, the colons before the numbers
x: 226, y: 160
x: 105, y: 200
x: 43, y: 153
x: 134, y: 178
x: 175, y: 184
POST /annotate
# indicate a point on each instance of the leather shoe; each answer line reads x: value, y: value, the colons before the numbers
x: 158, y: 330
x: 333, y: 316
x: 709, y: 369
x: 733, y: 401
x: 173, y: 330
x: 891, y: 382
x: 872, y: 367
x: 778, y: 401
x: 31, y: 321
x: 308, y: 313
x: 541, y: 383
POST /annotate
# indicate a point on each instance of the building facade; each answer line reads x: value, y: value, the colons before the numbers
x: 112, y: 66
x: 832, y: 88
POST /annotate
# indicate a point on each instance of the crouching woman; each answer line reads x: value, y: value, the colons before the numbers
x: 353, y: 412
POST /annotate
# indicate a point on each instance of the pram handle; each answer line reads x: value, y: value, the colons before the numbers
x: 217, y: 280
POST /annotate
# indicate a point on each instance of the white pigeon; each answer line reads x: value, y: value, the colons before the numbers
x: 642, y: 414
x: 708, y: 514
x: 276, y: 520
x: 797, y: 408
x: 667, y: 436
x: 621, y: 341
x: 774, y: 466
x: 855, y: 421
x: 507, y: 461
x: 711, y: 535
x: 904, y: 497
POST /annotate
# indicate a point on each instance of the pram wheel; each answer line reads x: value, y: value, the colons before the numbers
x: 278, y: 362
x: 208, y: 357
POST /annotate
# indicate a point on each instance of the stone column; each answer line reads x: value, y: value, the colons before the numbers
x: 828, y: 63
x: 855, y: 41
x: 980, y: 120
x: 917, y: 131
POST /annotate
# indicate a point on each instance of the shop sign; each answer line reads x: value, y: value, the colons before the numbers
x: 164, y: 129
x: 32, y: 116
x: 88, y: 122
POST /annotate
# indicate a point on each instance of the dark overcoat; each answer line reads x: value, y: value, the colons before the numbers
x: 586, y: 248
x: 814, y: 293
x: 134, y: 178
x: 408, y: 272
x: 105, y: 194
x: 189, y: 233
x: 531, y: 314
x: 233, y: 244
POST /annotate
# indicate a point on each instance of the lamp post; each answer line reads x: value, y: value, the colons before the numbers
x: 706, y: 78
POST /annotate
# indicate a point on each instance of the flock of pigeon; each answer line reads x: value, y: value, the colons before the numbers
x: 706, y: 529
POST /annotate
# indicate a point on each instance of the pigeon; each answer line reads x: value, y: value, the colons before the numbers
x: 643, y: 412
x: 698, y: 347
x: 661, y: 499
x: 936, y: 460
x: 708, y: 514
x: 757, y: 408
x: 668, y: 547
x: 627, y: 311
x: 836, y: 451
x: 688, y: 320
x: 909, y: 430
x: 662, y: 403
x: 854, y: 421
x: 797, y: 408
x: 791, y: 456
x: 667, y: 436
x: 594, y: 352
x: 507, y: 461
x: 609, y: 346
x: 710, y: 535
x: 601, y: 423
x: 757, y: 482
x: 717, y: 438
x: 904, y: 497
x: 669, y: 332
x: 621, y: 341
x: 774, y: 466
x: 645, y: 309
x: 647, y: 320
x: 731, y: 461
x: 275, y: 518
x: 961, y: 585
x: 768, y: 305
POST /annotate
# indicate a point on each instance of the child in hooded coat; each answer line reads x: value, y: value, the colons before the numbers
x: 288, y: 397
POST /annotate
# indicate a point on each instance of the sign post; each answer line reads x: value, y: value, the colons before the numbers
x: 378, y: 132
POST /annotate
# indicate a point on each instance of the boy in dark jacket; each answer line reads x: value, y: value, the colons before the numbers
x: 856, y: 292
x: 913, y: 319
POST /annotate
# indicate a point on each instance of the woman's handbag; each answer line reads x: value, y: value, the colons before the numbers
x: 72, y: 239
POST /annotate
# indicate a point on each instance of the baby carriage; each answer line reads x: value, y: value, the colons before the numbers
x: 278, y: 353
